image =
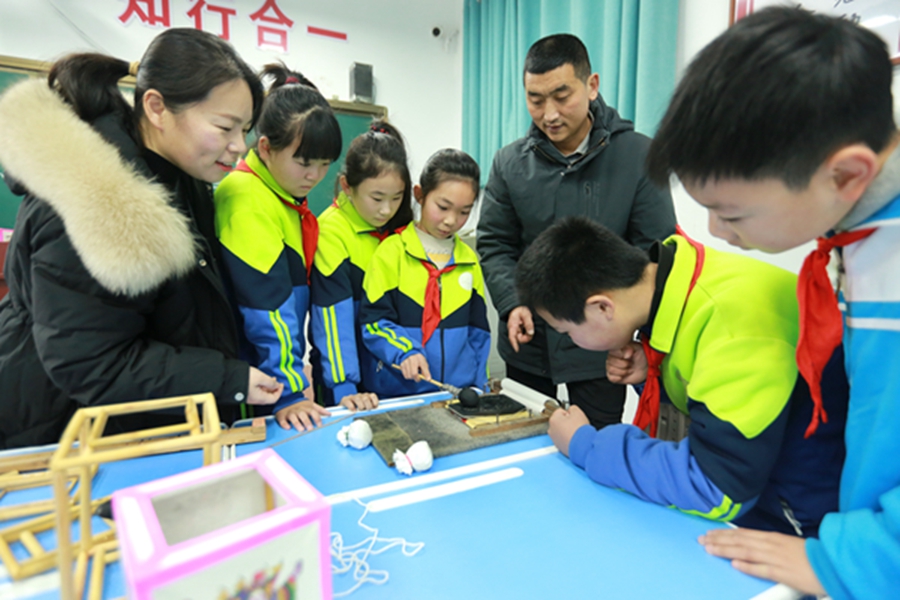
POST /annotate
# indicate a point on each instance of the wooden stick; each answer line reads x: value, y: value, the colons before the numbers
x: 98, y: 569
x: 12, y: 565
x: 441, y: 386
x: 31, y: 544
x: 80, y: 573
x: 27, y: 509
x: 144, y: 434
x: 63, y: 536
x: 86, y: 508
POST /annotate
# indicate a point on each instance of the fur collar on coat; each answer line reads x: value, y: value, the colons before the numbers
x: 122, y: 224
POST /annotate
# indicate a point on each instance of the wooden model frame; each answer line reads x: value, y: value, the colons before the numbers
x: 86, y: 428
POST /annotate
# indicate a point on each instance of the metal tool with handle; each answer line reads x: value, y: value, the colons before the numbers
x: 444, y: 386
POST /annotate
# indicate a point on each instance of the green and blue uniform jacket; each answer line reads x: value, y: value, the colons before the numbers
x: 346, y: 245
x: 392, y: 314
x: 730, y: 365
x: 262, y: 249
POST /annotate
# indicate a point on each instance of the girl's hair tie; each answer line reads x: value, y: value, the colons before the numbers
x: 291, y: 79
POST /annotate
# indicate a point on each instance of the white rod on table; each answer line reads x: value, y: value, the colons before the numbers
x: 445, y: 489
x: 430, y: 478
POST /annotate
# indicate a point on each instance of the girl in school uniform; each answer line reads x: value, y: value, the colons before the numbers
x: 424, y: 309
x: 374, y: 203
x: 115, y: 292
x: 269, y: 235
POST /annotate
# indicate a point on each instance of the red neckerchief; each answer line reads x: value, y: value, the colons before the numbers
x: 431, y: 311
x: 821, y: 327
x: 309, y: 226
x: 648, y: 405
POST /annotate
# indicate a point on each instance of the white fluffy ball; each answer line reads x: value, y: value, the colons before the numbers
x: 357, y: 434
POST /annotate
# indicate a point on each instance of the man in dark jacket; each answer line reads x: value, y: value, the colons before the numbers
x: 579, y: 158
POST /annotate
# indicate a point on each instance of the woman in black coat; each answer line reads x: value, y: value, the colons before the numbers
x: 115, y: 292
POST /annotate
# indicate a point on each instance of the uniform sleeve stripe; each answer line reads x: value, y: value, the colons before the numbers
x: 287, y: 354
x: 337, y: 343
x: 873, y: 323
x: 329, y: 318
x: 401, y: 343
x: 726, y: 511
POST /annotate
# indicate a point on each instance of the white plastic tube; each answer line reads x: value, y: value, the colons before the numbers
x: 531, y: 399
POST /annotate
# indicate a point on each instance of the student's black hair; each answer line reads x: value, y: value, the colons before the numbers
x: 556, y: 50
x: 293, y: 109
x: 377, y: 151
x: 572, y: 260
x: 183, y: 65
x: 774, y: 96
x: 449, y: 163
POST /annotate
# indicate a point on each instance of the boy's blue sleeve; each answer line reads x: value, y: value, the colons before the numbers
x: 857, y: 554
x: 334, y: 324
x: 623, y: 456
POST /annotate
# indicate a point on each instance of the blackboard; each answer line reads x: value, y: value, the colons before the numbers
x: 353, y: 118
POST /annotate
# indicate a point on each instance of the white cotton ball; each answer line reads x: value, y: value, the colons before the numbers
x: 402, y: 463
x: 420, y: 456
x: 343, y: 436
x: 360, y: 434
x: 357, y: 434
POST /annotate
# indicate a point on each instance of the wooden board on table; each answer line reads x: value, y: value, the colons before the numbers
x: 444, y: 432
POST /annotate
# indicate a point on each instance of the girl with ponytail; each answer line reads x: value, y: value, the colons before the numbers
x: 269, y: 235
x: 374, y: 203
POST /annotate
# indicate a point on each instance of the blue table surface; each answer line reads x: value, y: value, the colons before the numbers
x: 549, y: 533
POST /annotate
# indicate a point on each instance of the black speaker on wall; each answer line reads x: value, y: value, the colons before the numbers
x: 361, y: 85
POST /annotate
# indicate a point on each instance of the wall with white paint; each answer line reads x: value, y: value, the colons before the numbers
x: 418, y: 77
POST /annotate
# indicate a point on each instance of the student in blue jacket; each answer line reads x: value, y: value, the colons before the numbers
x: 783, y: 128
x: 373, y: 204
x: 269, y: 235
x: 423, y: 309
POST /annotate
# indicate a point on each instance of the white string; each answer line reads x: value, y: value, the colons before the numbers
x: 356, y: 556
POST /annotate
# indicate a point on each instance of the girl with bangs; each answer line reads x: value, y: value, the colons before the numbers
x: 269, y: 235
x: 374, y: 203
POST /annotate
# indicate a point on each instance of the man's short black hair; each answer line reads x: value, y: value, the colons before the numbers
x: 774, y: 96
x: 572, y: 260
x: 556, y: 50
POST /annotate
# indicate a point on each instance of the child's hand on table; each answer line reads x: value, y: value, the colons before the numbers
x: 415, y: 366
x: 364, y: 401
x: 302, y: 416
x: 766, y: 554
x: 564, y: 424
x: 627, y: 365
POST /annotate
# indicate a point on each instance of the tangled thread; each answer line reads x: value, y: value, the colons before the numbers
x: 355, y: 557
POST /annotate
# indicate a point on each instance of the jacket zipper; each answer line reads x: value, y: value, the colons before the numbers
x: 569, y: 165
x: 440, y: 326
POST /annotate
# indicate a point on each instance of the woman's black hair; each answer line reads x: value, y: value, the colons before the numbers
x: 377, y: 151
x: 183, y: 65
x: 294, y: 109
x: 449, y: 163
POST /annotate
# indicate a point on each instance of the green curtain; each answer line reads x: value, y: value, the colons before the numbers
x: 631, y: 44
